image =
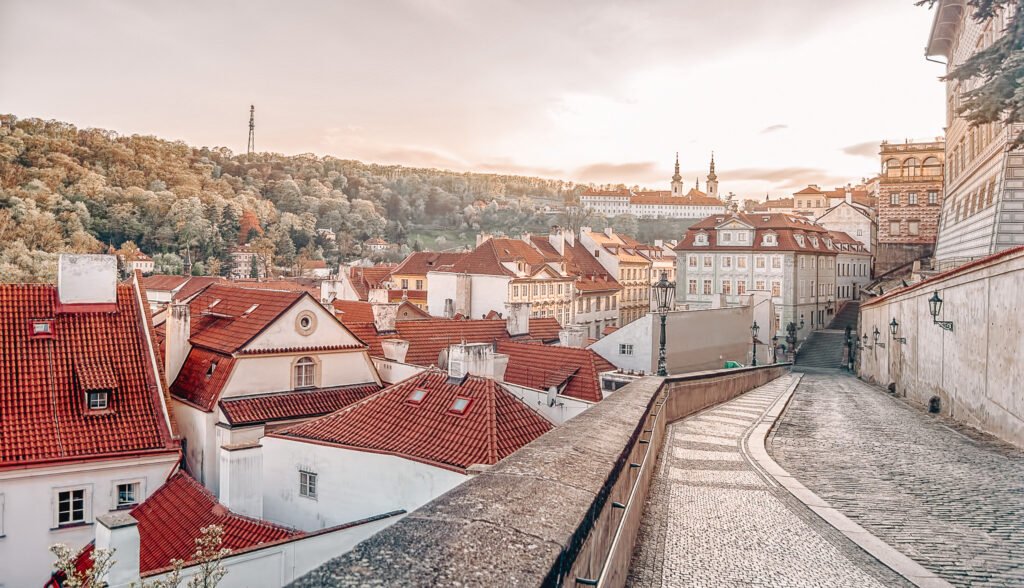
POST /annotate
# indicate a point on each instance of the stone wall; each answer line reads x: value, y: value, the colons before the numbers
x: 975, y: 370
x: 564, y: 508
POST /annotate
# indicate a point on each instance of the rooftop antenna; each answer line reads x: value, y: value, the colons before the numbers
x: 252, y: 131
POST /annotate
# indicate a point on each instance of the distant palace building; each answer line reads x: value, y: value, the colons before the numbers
x: 909, y: 202
x: 983, y: 208
x: 659, y: 204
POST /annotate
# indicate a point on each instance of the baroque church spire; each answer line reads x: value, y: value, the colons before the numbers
x: 676, y: 177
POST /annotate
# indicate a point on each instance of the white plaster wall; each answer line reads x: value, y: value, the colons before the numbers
x: 28, y: 507
x: 273, y: 373
x: 564, y: 409
x: 352, y: 484
x: 975, y: 370
x: 283, y: 333
x: 442, y: 286
x: 393, y: 371
x: 638, y: 334
x: 198, y: 428
x: 489, y: 293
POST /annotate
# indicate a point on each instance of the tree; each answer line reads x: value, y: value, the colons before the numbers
x: 997, y: 69
x: 625, y: 224
x: 67, y: 564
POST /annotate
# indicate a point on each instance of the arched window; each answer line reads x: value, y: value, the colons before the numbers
x: 305, y: 373
x: 932, y: 167
x: 912, y: 167
x: 892, y: 168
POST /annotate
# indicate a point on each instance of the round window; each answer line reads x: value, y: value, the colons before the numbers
x: 305, y: 323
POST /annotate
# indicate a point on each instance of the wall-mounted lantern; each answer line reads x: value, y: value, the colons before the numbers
x: 894, y: 328
x: 878, y: 334
x: 935, y: 308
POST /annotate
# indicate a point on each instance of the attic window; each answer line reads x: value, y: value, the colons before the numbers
x: 799, y: 240
x: 417, y: 396
x: 98, y: 399
x: 814, y: 241
x: 460, y: 405
x: 211, y: 369
x: 766, y: 218
x: 769, y: 239
x: 701, y: 239
x: 41, y: 328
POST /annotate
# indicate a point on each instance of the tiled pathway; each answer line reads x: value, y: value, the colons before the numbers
x: 713, y: 520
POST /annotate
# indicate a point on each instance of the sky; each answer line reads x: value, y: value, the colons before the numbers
x: 785, y: 92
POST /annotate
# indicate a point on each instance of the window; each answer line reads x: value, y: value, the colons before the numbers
x: 742, y: 237
x: 912, y: 167
x: 98, y: 399
x: 419, y: 284
x: 691, y: 287
x: 741, y: 261
x: 708, y: 261
x: 726, y: 237
x: 759, y: 262
x: 707, y: 287
x: 776, y: 288
x: 515, y: 291
x: 71, y: 507
x: 701, y: 239
x: 405, y: 283
x: 912, y: 198
x: 894, y: 227
x: 741, y: 287
x: 914, y: 227
x: 691, y: 261
x: 460, y: 405
x: 307, y: 484
x: 305, y: 372
x: 759, y: 285
x: 727, y: 287
x: 894, y: 199
x: 892, y: 168
x: 625, y: 349
x: 769, y: 239
x: 127, y: 494
x: 776, y: 262
x: 933, y: 197
x: 932, y: 167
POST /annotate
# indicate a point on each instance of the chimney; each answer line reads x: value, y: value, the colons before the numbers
x: 849, y: 195
x: 449, y: 308
x: 518, y: 318
x: 570, y: 237
x: 464, y: 295
x: 384, y: 317
x: 476, y: 359
x: 572, y: 336
x: 119, y: 531
x: 609, y: 232
x: 556, y: 240
x: 87, y: 279
x: 526, y: 238
x: 395, y: 349
x: 178, y: 329
x: 659, y: 243
x: 482, y: 238
x: 241, y: 478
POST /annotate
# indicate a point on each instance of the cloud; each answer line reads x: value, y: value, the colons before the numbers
x: 866, y: 149
x: 414, y: 157
x: 508, y: 166
x: 625, y: 173
x: 773, y: 129
x: 785, y: 178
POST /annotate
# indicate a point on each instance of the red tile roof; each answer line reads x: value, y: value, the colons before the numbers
x: 595, y: 192
x: 575, y: 372
x: 692, y: 198
x: 427, y: 338
x: 353, y: 311
x: 785, y: 226
x: 810, y: 190
x: 196, y: 383
x: 420, y: 262
x: 163, y: 282
x: 43, y: 381
x: 194, y: 286
x: 364, y: 279
x: 281, y: 406
x: 172, y: 518
x: 495, y: 425
x: 241, y: 314
x: 292, y: 285
x: 591, y: 275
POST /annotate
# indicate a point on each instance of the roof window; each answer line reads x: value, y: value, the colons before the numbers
x: 41, y: 328
x: 211, y: 369
x: 98, y: 399
x: 417, y: 396
x: 249, y: 310
x: 460, y: 405
x: 214, y: 303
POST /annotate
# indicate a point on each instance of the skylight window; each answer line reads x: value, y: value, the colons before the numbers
x: 42, y: 328
x: 417, y: 396
x: 214, y: 303
x: 249, y: 310
x: 460, y: 405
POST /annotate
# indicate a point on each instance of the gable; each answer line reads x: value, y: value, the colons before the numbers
x: 286, y: 332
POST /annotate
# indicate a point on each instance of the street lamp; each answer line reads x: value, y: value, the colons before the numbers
x: 753, y: 331
x: 849, y: 347
x: 894, y: 328
x: 864, y: 345
x: 664, y: 292
x: 775, y: 346
x: 935, y: 307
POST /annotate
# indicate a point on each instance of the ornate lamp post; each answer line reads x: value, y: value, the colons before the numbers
x: 753, y: 331
x: 849, y: 348
x: 894, y: 328
x: 664, y: 292
x: 775, y: 346
x: 935, y: 307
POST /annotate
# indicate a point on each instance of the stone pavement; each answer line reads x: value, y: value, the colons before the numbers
x: 712, y: 520
x: 950, y: 498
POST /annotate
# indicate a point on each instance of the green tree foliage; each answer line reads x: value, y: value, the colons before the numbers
x: 997, y: 71
x: 85, y: 190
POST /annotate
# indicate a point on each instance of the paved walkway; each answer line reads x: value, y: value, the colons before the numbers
x: 712, y: 520
x: 947, y: 497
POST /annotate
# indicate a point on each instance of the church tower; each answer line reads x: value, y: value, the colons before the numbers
x: 712, y: 179
x: 677, y: 180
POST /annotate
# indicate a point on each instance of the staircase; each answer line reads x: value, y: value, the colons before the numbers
x: 823, y: 349
x: 847, y: 316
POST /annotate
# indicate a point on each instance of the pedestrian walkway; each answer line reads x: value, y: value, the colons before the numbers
x: 712, y: 519
x: 947, y: 497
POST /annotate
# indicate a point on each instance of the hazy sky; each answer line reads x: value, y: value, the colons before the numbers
x: 785, y: 92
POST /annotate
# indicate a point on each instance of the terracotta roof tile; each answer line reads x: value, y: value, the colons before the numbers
x: 43, y: 381
x: 293, y: 405
x: 163, y: 282
x: 364, y: 278
x: 495, y: 424
x: 420, y: 262
x: 353, y: 311
x: 575, y: 372
x: 194, y: 286
x: 172, y: 518
x: 784, y: 226
x: 240, y: 315
x: 202, y: 376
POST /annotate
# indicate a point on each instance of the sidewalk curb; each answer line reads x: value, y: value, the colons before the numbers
x: 883, y: 552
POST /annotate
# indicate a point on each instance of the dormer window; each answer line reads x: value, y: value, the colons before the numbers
x: 814, y: 241
x: 460, y: 405
x: 726, y: 237
x: 701, y: 239
x: 742, y: 237
x: 769, y: 239
x: 98, y: 399
x: 799, y: 240
x: 211, y: 369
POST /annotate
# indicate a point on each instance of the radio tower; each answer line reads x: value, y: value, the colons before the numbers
x: 252, y: 131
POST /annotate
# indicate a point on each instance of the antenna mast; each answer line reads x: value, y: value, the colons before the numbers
x: 252, y: 131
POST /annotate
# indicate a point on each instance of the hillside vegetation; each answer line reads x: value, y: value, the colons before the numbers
x: 85, y: 190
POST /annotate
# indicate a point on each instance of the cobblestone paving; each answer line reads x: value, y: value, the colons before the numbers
x: 712, y: 520
x: 948, y: 497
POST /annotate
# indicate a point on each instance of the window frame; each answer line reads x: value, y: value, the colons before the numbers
x: 299, y: 372
x: 308, y: 484
x: 86, y: 506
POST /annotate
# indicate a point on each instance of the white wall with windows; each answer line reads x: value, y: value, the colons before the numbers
x: 59, y: 504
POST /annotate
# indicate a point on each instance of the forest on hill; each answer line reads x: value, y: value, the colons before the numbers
x: 88, y: 190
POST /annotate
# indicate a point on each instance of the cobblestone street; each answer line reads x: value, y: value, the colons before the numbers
x: 946, y: 496
x: 712, y: 520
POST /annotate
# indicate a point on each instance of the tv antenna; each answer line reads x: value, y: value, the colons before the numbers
x: 252, y: 131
